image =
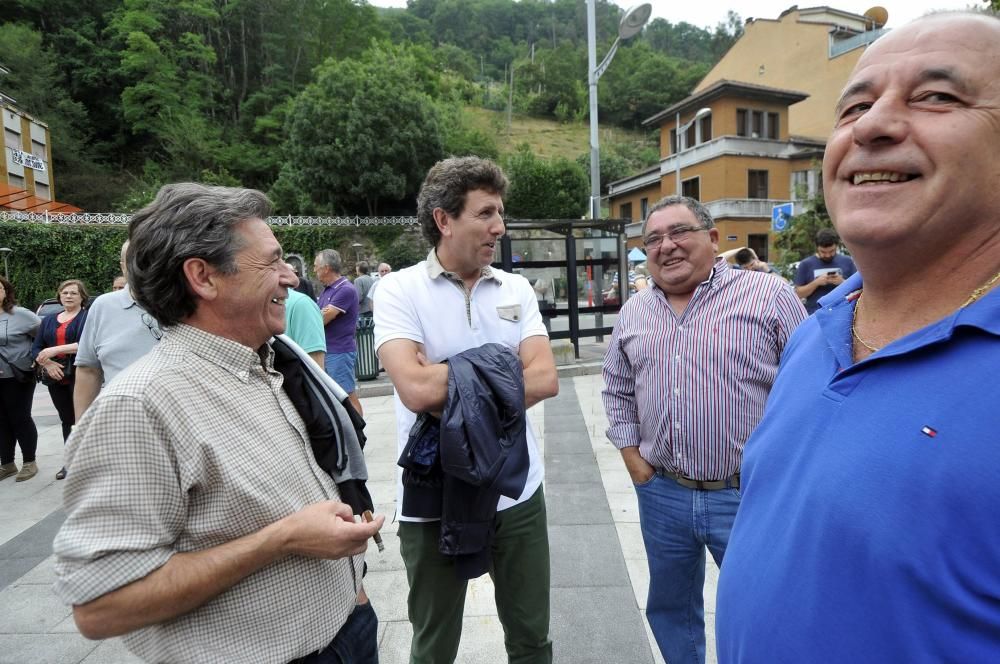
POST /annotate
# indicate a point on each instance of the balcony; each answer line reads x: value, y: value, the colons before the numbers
x: 743, y: 208
x: 841, y: 46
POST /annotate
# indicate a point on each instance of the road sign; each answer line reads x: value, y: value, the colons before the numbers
x: 781, y: 215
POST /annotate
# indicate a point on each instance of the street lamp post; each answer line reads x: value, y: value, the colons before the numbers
x: 6, y: 251
x: 631, y: 24
x: 702, y: 112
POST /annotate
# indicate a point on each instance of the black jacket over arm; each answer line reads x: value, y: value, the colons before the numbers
x: 483, y: 453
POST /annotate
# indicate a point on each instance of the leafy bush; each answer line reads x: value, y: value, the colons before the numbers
x: 46, y: 254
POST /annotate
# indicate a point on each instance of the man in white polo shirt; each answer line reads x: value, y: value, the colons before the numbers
x: 449, y: 303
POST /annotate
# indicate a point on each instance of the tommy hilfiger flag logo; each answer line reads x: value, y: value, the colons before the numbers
x: 929, y: 432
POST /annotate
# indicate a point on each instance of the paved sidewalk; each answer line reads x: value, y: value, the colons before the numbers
x: 599, y: 576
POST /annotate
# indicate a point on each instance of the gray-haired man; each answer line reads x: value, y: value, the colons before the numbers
x: 183, y: 533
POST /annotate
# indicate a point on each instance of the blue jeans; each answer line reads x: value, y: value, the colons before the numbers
x: 677, y: 524
x: 340, y: 367
x: 355, y: 643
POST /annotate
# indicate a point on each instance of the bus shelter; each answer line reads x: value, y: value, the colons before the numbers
x: 578, y: 269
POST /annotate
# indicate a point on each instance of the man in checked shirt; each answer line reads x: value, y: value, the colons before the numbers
x: 687, y: 372
x: 198, y: 523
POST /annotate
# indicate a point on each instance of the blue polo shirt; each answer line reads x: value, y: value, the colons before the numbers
x: 867, y: 530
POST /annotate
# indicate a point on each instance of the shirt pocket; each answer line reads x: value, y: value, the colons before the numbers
x: 511, y: 312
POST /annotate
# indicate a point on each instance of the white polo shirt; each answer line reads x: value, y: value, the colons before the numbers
x: 424, y: 304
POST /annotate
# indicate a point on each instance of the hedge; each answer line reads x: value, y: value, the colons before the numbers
x: 44, y: 255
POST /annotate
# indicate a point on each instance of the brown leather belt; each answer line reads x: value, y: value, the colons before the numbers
x: 702, y: 485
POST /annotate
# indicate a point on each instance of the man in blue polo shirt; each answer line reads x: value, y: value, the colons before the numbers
x: 867, y: 529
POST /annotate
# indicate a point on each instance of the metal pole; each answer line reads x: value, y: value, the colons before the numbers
x: 595, y: 157
x: 572, y: 295
x: 677, y: 155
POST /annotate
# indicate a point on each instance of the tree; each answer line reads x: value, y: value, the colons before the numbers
x: 363, y: 133
x: 540, y: 189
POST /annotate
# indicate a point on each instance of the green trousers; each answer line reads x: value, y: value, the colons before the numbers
x: 520, y: 573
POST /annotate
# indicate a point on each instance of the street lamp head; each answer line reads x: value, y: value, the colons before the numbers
x: 702, y: 112
x: 633, y: 20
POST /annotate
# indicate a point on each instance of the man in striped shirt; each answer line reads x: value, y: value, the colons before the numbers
x: 687, y: 372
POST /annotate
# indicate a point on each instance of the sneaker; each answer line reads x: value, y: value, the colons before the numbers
x: 8, y: 470
x: 28, y: 470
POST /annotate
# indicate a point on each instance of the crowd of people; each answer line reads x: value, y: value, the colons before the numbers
x: 835, y: 459
x: 77, y: 350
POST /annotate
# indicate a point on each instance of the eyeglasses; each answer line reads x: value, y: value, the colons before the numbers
x: 676, y: 235
x: 152, y: 326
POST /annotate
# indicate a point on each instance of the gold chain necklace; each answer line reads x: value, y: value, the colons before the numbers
x: 854, y: 326
x: 975, y: 295
x: 979, y: 292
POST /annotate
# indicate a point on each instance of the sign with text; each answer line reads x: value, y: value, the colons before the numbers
x: 27, y: 160
x: 781, y: 215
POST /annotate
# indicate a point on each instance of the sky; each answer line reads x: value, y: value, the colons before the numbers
x: 708, y: 13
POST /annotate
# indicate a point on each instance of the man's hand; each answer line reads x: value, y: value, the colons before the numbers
x: 329, y: 313
x: 327, y: 530
x: 638, y: 468
x: 189, y: 580
x: 834, y: 278
x: 422, y: 386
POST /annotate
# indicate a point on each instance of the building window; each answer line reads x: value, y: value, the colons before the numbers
x: 643, y: 208
x: 625, y: 211
x: 11, y: 139
x: 757, y: 124
x: 673, y: 141
x: 800, y: 185
x: 756, y: 184
x: 15, y: 180
x: 758, y: 242
x: 690, y: 136
x: 692, y: 188
x: 38, y: 149
x: 42, y: 190
x: 706, y: 128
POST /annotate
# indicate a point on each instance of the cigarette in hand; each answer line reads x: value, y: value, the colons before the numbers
x: 367, y: 516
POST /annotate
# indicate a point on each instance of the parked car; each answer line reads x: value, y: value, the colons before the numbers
x: 49, y: 306
x: 52, y: 306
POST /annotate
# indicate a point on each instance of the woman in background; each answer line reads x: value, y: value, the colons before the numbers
x: 17, y: 330
x: 55, y: 350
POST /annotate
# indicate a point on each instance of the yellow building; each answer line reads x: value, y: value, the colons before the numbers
x: 811, y: 50
x: 753, y: 131
x: 26, y: 182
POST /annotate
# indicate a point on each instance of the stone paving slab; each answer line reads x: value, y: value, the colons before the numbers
x: 616, y: 640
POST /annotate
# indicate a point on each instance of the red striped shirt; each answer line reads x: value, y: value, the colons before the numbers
x: 689, y: 390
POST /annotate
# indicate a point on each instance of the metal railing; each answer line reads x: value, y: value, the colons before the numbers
x: 742, y: 207
x: 123, y: 218
x: 841, y: 46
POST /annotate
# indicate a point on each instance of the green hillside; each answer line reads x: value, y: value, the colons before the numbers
x: 549, y: 138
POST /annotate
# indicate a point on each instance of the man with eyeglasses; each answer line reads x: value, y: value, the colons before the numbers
x: 688, y: 369
x: 118, y: 332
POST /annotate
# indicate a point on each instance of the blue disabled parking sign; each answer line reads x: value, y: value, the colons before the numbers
x: 781, y: 215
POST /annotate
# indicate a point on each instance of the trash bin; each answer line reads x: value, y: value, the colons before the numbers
x: 366, y: 363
